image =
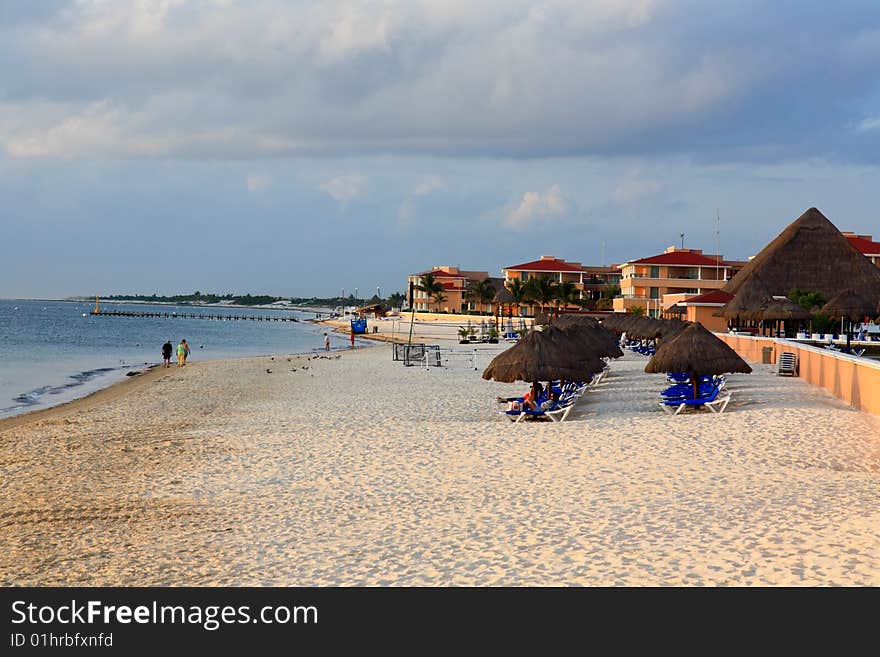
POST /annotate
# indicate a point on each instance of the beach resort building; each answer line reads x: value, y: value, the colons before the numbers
x: 590, y: 281
x: 866, y: 245
x: 703, y: 308
x: 455, y: 283
x: 657, y: 282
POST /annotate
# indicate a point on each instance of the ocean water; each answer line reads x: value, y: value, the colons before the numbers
x: 55, y: 351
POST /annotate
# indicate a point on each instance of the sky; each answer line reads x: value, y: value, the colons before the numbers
x: 304, y: 148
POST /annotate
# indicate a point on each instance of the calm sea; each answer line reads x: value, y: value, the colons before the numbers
x: 54, y: 351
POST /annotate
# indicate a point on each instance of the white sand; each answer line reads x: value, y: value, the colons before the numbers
x: 360, y: 471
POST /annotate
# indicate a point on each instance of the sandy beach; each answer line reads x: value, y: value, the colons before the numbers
x: 354, y: 470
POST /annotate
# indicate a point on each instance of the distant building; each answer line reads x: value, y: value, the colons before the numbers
x: 590, y: 281
x: 659, y: 281
x: 704, y: 308
x: 866, y: 245
x: 455, y: 284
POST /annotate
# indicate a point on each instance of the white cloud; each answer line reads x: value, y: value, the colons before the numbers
x: 344, y: 189
x: 428, y: 185
x: 257, y: 183
x: 635, y: 189
x: 535, y: 206
x: 869, y: 123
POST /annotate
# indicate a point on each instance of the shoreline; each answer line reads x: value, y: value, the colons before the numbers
x: 116, y: 389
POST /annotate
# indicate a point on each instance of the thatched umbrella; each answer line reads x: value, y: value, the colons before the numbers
x: 698, y: 352
x: 570, y: 319
x: 592, y: 340
x: 780, y: 309
x: 502, y: 298
x: 672, y: 327
x: 850, y: 306
x: 542, y: 356
x: 613, y: 322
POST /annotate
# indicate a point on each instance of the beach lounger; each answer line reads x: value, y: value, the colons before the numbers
x: 787, y: 364
x: 557, y: 413
x: 713, y: 401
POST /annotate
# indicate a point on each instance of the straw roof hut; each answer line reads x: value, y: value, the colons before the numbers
x: 593, y: 340
x: 849, y: 305
x: 571, y: 319
x: 612, y: 322
x: 645, y: 328
x: 543, y: 356
x: 697, y: 351
x: 672, y: 327
x: 503, y: 299
x: 747, y: 303
x: 810, y: 254
x: 779, y: 308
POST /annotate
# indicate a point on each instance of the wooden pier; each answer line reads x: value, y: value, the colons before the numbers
x: 176, y: 315
x: 217, y: 317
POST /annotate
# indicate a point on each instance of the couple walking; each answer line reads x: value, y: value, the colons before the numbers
x: 182, y: 353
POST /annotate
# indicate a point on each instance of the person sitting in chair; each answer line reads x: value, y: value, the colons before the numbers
x: 530, y: 400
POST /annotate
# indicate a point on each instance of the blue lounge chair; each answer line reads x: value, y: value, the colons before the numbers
x: 714, y: 401
x: 557, y: 412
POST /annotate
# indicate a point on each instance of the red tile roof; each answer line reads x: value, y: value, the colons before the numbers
x: 546, y: 265
x: 678, y: 258
x: 867, y: 247
x: 440, y: 273
x: 715, y: 296
x: 451, y: 285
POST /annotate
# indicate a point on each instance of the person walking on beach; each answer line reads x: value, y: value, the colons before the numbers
x: 352, y: 337
x: 326, y: 342
x: 182, y: 350
x: 166, y: 353
x: 185, y: 351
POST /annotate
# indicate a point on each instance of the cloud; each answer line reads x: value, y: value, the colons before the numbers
x: 520, y: 78
x: 535, y: 205
x: 344, y: 189
x: 869, y: 123
x: 428, y: 185
x: 257, y: 183
x: 635, y: 189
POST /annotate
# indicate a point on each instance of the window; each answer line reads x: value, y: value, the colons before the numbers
x: 655, y: 273
x: 655, y: 292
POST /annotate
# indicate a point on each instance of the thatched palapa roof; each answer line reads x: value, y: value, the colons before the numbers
x: 782, y: 309
x: 849, y: 305
x: 810, y: 254
x: 697, y: 350
x: 543, y: 356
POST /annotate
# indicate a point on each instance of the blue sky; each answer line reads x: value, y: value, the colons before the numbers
x: 298, y: 148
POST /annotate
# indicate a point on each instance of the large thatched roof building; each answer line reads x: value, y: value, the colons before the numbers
x: 811, y: 255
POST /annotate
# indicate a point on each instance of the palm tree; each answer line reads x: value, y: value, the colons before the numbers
x: 542, y: 290
x: 482, y: 292
x: 567, y: 292
x: 518, y: 292
x: 431, y: 287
